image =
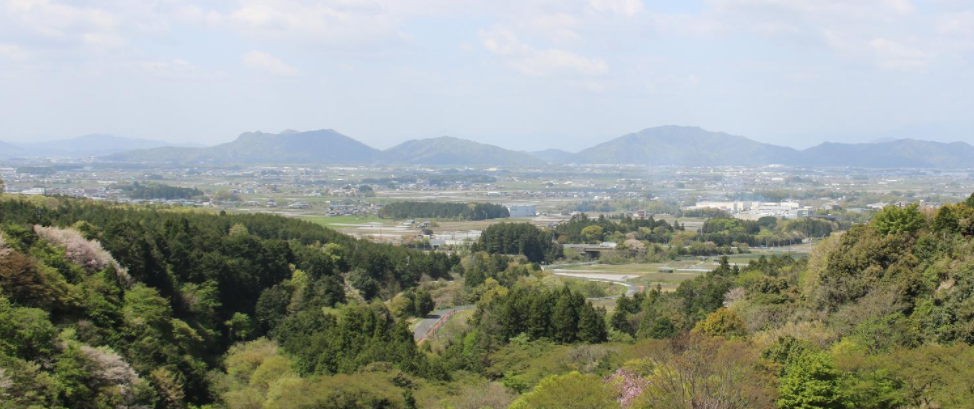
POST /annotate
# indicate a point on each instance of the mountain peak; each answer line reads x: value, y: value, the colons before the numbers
x: 449, y: 150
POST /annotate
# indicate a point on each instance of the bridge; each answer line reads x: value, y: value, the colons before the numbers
x: 591, y: 250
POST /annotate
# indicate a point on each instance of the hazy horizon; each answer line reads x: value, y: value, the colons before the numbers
x: 523, y: 75
x: 510, y: 145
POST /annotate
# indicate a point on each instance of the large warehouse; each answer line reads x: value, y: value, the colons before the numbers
x: 522, y: 210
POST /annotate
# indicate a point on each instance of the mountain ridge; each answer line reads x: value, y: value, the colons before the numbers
x: 659, y: 146
x: 448, y: 150
x: 8, y: 150
x: 85, y: 146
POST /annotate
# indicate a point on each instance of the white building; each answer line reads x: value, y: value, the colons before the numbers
x: 729, y: 207
x: 522, y: 210
x: 36, y: 191
x: 756, y: 210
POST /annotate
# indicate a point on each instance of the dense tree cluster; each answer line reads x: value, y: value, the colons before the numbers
x: 481, y: 266
x: 149, y: 191
x: 457, y: 211
x: 161, y: 294
x: 519, y: 239
x: 108, y: 307
x: 562, y: 316
x: 602, y: 228
x: 644, y: 238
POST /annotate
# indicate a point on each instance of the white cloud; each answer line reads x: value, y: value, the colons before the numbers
x: 54, y: 18
x: 897, y: 56
x: 12, y: 52
x: 627, y: 8
x: 560, y: 28
x: 268, y: 63
x: 504, y: 42
x: 325, y: 21
x: 812, y: 8
x: 103, y: 40
x: 531, y: 61
x: 961, y: 23
x: 888, y: 34
x: 175, y: 68
x: 547, y: 62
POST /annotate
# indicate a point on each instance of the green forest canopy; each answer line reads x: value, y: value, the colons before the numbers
x: 106, y: 306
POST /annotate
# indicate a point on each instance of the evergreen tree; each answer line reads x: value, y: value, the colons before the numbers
x: 424, y: 304
x: 620, y: 322
x: 564, y: 318
x: 591, y: 325
x: 539, y: 322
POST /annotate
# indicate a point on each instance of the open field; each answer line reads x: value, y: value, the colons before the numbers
x: 648, y: 275
x: 341, y: 221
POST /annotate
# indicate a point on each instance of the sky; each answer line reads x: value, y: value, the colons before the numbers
x: 522, y: 74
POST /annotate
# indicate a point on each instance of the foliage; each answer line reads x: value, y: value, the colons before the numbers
x: 168, y: 292
x: 722, y: 323
x: 519, y: 239
x: 560, y: 315
x: 572, y: 390
x: 458, y: 211
x: 159, y: 191
x: 113, y: 306
x: 811, y: 381
x: 695, y: 372
x: 898, y: 220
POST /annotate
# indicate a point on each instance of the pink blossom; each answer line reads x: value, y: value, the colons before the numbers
x: 628, y: 384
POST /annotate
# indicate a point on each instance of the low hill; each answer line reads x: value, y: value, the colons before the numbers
x: 683, y: 145
x: 450, y: 151
x: 313, y: 147
x: 909, y: 153
x: 8, y: 151
x: 692, y: 146
x: 89, y: 145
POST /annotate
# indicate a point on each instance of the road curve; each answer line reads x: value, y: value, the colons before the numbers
x: 428, y: 324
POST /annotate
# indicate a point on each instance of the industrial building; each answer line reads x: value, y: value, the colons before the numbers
x: 522, y: 210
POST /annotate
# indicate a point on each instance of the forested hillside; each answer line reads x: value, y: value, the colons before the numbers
x: 124, y: 307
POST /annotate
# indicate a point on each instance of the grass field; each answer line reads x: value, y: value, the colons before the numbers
x: 338, y: 221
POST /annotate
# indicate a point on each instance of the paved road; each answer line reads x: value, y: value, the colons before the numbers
x: 425, y: 325
x: 558, y: 269
x: 631, y: 289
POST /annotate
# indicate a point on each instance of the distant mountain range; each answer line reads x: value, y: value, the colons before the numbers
x: 660, y: 146
x: 692, y: 146
x: 330, y: 147
x: 9, y: 151
x: 906, y: 153
x: 82, y: 146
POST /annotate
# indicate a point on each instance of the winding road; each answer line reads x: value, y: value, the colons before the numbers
x: 429, y: 324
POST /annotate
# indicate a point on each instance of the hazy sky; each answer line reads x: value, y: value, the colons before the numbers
x: 523, y: 74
